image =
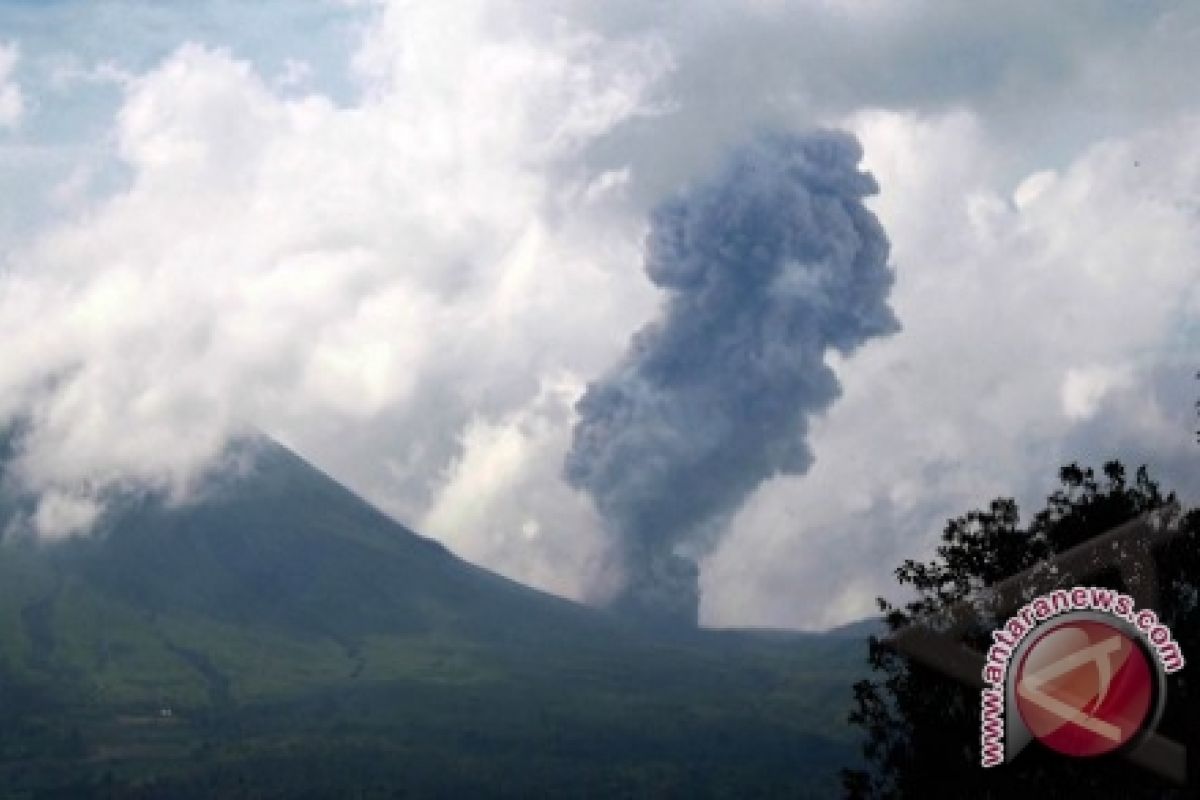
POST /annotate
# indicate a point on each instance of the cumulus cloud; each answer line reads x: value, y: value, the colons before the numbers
x: 398, y: 266
x: 518, y: 456
x: 1035, y: 333
x: 1084, y: 388
x: 12, y: 102
x: 407, y: 268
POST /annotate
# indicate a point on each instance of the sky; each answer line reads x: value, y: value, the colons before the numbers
x: 403, y: 237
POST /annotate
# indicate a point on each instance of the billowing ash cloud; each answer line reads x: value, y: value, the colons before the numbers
x: 765, y: 267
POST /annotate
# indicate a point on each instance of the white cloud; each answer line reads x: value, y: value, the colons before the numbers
x: 12, y: 102
x: 504, y: 505
x: 409, y: 281
x: 398, y: 267
x: 1084, y: 388
x: 59, y: 515
x: 981, y: 393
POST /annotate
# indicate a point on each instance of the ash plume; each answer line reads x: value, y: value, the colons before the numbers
x: 764, y: 267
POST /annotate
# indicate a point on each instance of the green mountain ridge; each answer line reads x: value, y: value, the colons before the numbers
x: 281, y: 637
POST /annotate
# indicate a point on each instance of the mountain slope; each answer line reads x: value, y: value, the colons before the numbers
x: 281, y: 624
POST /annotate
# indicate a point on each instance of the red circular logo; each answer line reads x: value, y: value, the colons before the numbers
x: 1084, y: 688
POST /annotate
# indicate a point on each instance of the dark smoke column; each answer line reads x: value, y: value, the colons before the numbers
x: 765, y: 268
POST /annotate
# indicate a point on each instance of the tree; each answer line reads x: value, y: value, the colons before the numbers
x: 922, y: 729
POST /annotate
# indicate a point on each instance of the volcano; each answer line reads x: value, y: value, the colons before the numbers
x: 279, y: 636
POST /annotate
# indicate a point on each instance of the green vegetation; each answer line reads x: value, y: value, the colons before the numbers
x: 923, y: 728
x: 282, y: 638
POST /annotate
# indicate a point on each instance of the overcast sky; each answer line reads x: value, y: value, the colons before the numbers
x: 401, y: 237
